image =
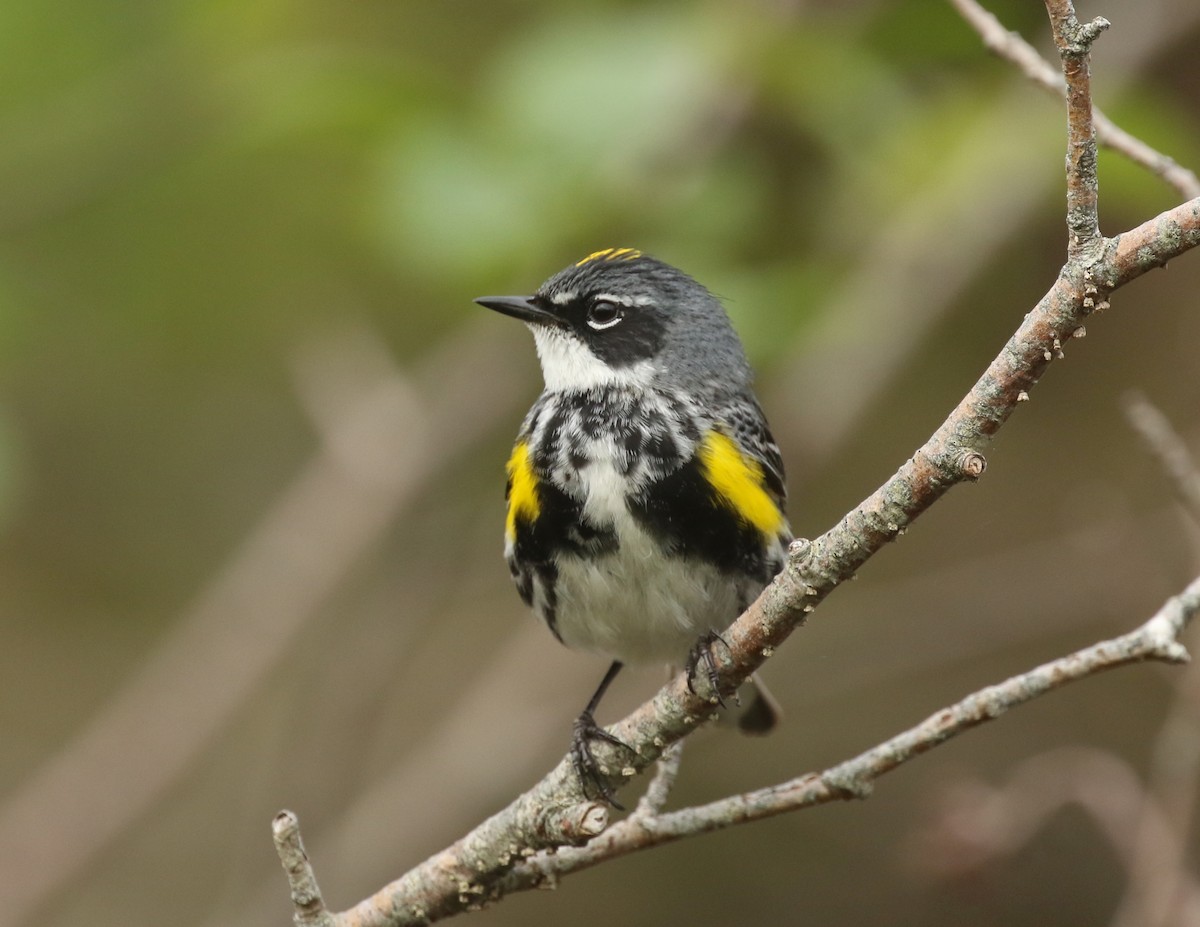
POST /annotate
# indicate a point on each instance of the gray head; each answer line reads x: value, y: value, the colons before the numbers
x: 622, y: 317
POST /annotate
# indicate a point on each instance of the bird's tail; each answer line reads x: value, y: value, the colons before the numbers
x: 759, y: 711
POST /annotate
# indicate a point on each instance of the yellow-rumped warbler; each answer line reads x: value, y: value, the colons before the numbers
x: 645, y: 492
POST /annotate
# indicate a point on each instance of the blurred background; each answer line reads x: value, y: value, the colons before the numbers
x: 252, y: 434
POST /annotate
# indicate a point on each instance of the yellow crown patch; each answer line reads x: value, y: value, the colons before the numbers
x: 611, y: 254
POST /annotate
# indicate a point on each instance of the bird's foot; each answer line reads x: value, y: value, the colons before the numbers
x: 702, y: 654
x: 593, y: 778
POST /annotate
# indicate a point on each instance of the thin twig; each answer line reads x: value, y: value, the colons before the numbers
x: 655, y: 798
x: 1158, y: 876
x: 1013, y: 48
x: 1112, y: 136
x: 1074, y: 42
x: 309, y: 906
x: 1168, y: 447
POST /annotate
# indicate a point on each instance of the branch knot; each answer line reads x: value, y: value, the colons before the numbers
x: 572, y: 825
x: 1078, y: 38
x: 971, y: 464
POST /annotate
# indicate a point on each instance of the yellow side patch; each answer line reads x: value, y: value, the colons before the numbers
x: 738, y: 482
x: 611, y: 254
x: 523, y: 502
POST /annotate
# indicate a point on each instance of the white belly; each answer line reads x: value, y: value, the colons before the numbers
x: 637, y: 604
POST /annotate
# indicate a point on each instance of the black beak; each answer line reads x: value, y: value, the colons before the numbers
x: 520, y: 307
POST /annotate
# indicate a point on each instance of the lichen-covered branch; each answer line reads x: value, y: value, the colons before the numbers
x: 1074, y: 42
x: 554, y: 814
x: 1152, y: 244
x: 1157, y: 639
x: 307, y: 903
x: 1013, y: 48
x: 413, y: 901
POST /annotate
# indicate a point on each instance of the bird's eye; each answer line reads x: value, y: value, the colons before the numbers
x: 604, y: 314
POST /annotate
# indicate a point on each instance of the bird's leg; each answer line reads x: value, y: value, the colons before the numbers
x: 591, y: 779
x: 702, y: 653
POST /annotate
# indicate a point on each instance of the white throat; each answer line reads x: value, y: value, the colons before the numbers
x: 568, y: 365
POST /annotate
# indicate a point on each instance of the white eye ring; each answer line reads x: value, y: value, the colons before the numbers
x: 604, y: 314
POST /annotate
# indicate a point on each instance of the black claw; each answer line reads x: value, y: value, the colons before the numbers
x: 593, y: 782
x: 701, y: 652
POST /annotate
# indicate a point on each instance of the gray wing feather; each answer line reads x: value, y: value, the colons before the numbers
x: 748, y: 426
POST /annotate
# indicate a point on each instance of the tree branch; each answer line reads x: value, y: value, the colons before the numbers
x: 1013, y: 48
x: 483, y: 864
x: 309, y: 906
x: 1168, y: 447
x: 1158, y: 856
x: 552, y: 813
x: 1157, y: 639
x: 1074, y: 42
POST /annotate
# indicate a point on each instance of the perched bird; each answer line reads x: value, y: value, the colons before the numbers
x: 645, y: 492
